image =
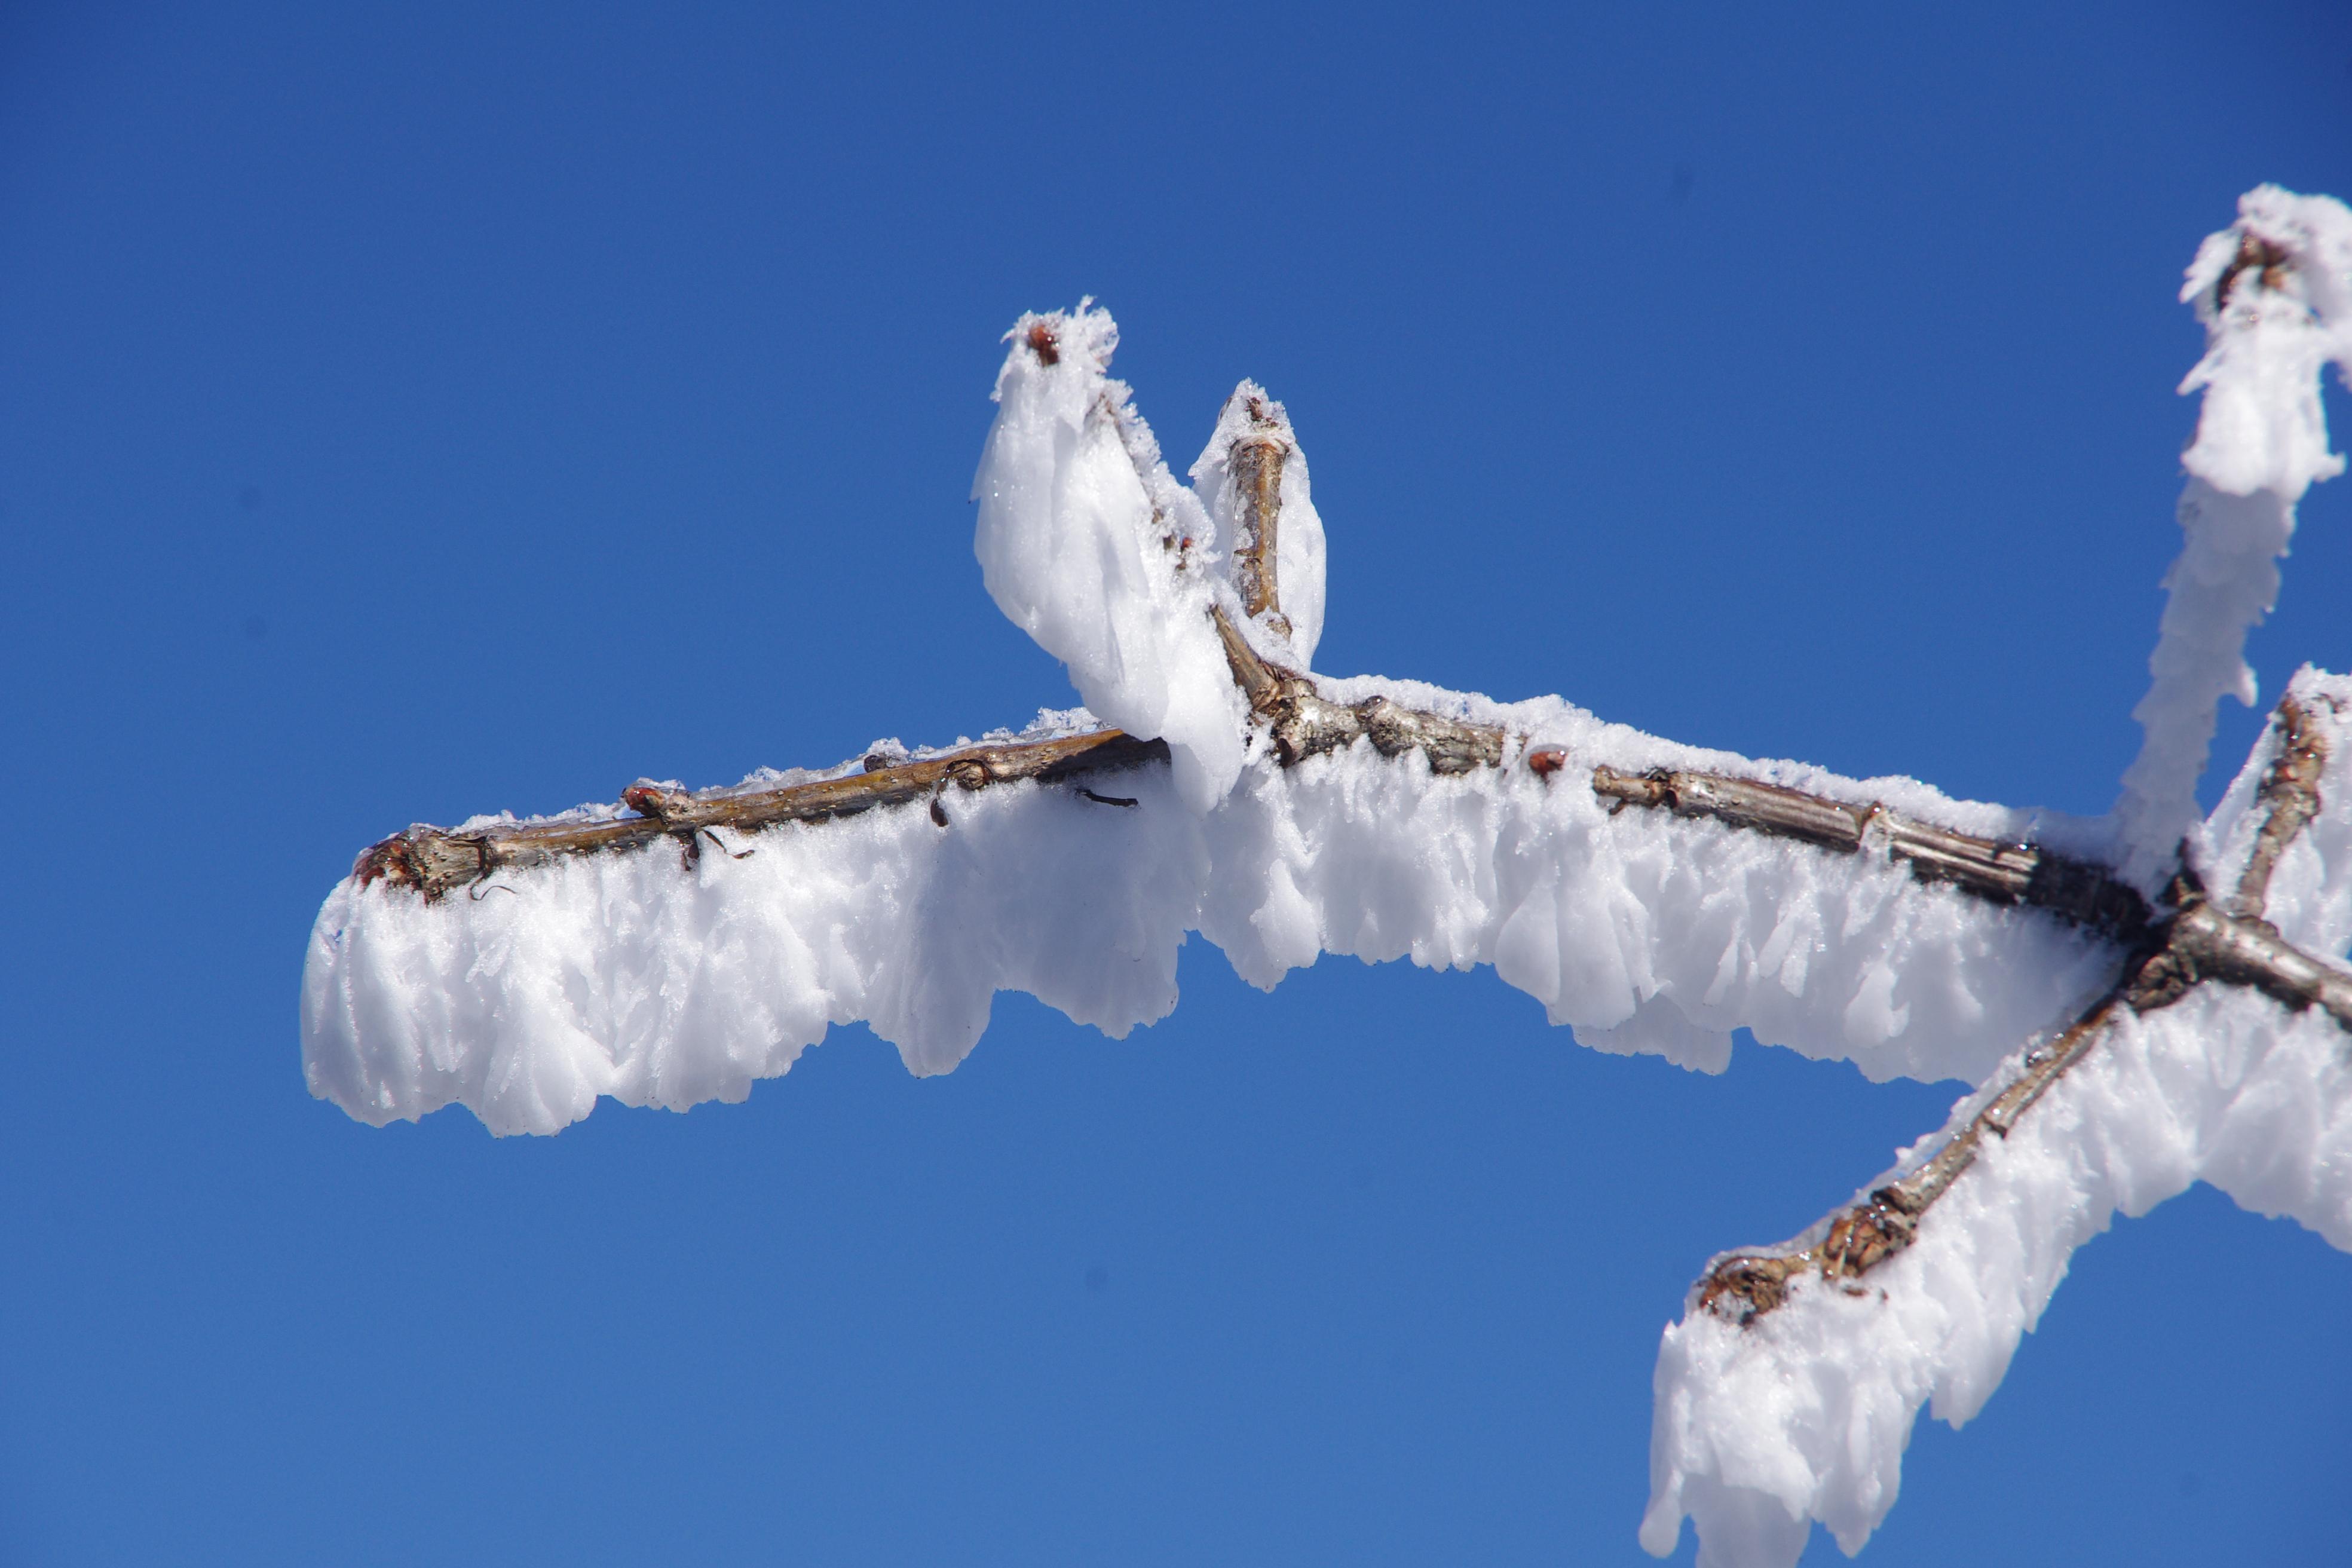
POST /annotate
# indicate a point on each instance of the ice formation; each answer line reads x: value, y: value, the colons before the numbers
x: 2275, y: 292
x: 1092, y: 548
x: 665, y: 980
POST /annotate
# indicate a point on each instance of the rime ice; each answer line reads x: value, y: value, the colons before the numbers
x: 662, y: 981
x: 1082, y: 542
x: 634, y: 976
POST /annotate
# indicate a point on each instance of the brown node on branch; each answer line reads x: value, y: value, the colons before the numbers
x: 1042, y: 343
x: 2269, y: 262
x: 1867, y: 1234
x: 1745, y: 1289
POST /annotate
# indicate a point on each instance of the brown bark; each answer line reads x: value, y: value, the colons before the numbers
x: 1305, y: 724
x: 2290, y: 793
x: 1256, y: 465
x: 2002, y: 873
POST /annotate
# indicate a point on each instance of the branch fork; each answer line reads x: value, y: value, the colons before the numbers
x: 1304, y: 723
x: 2200, y: 939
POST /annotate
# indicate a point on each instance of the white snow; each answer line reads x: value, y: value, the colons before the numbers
x: 636, y: 976
x: 2262, y: 440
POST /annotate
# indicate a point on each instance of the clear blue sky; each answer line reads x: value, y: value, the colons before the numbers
x: 405, y: 413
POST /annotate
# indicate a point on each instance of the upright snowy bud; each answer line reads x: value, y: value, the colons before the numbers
x: 1089, y: 545
x: 1253, y: 478
x: 2274, y: 293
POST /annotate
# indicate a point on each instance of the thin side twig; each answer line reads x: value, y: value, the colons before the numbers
x: 2291, y: 791
x: 1256, y: 468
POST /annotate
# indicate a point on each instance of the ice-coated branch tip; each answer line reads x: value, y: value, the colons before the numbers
x: 2274, y: 293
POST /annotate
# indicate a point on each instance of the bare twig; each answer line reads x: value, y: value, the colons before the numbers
x: 2002, y: 873
x: 2290, y: 793
x: 433, y: 861
x: 2207, y: 943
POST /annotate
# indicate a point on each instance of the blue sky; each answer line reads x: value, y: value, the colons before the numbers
x: 410, y: 412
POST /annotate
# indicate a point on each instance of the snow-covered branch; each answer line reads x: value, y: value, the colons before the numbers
x: 437, y: 862
x: 2199, y: 941
x: 2129, y: 1034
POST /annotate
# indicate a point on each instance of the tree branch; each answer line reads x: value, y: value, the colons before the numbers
x: 1305, y: 724
x: 2290, y: 793
x: 435, y: 860
x: 2002, y: 873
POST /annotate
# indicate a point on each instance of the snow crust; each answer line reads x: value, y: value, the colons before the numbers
x: 2262, y: 440
x: 1804, y: 1416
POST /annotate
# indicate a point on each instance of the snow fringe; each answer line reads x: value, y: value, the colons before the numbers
x: 664, y: 979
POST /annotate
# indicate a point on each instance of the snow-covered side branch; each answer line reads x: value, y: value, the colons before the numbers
x: 2274, y: 293
x: 1789, y: 1391
x: 1767, y: 1420
x: 2203, y: 938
